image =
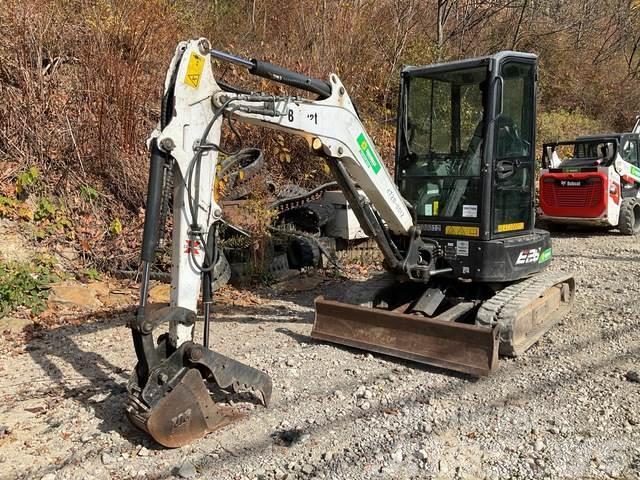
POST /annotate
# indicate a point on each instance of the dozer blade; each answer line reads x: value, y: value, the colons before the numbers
x: 186, y: 413
x: 455, y: 346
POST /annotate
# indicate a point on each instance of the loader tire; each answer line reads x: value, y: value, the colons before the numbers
x: 629, y: 222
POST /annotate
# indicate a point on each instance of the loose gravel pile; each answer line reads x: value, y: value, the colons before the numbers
x: 570, y: 408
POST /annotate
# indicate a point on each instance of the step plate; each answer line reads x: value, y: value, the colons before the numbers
x: 454, y: 346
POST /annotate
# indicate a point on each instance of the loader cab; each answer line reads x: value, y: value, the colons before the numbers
x: 465, y: 145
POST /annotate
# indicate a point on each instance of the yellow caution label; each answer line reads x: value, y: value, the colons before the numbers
x: 510, y: 227
x: 194, y: 70
x: 462, y: 231
x: 436, y: 205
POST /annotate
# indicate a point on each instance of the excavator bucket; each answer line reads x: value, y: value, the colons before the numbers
x: 186, y: 413
x: 433, y: 341
x: 175, y: 405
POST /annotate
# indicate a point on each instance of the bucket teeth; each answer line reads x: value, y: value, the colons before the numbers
x: 231, y: 374
x: 175, y: 406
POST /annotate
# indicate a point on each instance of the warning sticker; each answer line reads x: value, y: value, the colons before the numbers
x: 194, y: 70
x: 510, y: 227
x: 462, y: 248
x: 428, y: 209
x: 462, y: 231
x: 470, y: 211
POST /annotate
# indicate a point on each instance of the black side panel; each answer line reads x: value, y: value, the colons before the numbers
x: 503, y: 260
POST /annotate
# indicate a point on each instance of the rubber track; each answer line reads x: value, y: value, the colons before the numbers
x: 290, y: 203
x: 504, y: 306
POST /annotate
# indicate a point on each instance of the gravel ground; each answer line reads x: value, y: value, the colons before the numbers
x: 570, y: 408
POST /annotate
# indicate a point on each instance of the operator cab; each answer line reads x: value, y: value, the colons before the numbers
x: 465, y: 158
x: 591, y: 151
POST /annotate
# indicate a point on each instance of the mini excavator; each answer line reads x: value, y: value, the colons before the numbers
x: 466, y: 276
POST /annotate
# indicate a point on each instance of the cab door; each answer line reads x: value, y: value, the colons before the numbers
x: 514, y: 134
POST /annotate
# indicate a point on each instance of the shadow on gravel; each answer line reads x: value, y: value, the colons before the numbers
x: 105, y: 393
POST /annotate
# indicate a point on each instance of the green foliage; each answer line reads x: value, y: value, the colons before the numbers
x: 88, y: 193
x: 27, y: 179
x: 115, y: 228
x: 45, y: 209
x: 51, y: 220
x: 25, y: 285
x: 92, y: 274
x: 12, y: 208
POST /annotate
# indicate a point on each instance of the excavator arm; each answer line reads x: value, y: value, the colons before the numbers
x: 167, y: 394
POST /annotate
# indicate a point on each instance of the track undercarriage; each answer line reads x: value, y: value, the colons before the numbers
x: 453, y: 325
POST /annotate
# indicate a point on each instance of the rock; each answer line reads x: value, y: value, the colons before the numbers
x: 422, y: 454
x: 397, y: 456
x: 49, y: 476
x: 307, y: 468
x: 13, y: 246
x: 290, y: 363
x: 69, y: 254
x: 87, y: 437
x: 539, y: 445
x: 102, y: 289
x: 187, y: 470
x: 327, y: 456
x: 160, y: 293
x: 365, y: 405
x: 632, y: 376
x: 74, y: 295
x: 339, y: 395
x: 143, y: 452
x: 106, y: 458
x: 14, y: 325
x: 367, y: 394
x: 99, y: 397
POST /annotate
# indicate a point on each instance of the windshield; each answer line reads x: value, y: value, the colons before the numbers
x: 443, y: 131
